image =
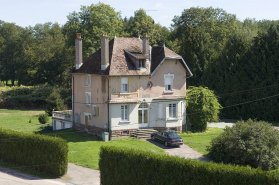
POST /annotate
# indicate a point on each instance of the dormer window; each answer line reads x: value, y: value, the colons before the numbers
x: 142, y: 63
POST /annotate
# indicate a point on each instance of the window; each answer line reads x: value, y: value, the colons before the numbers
x: 124, y: 85
x: 88, y: 81
x: 142, y: 63
x: 172, y: 110
x: 95, y: 111
x: 149, y: 85
x: 88, y: 98
x: 124, y: 113
x: 168, y: 82
x: 160, y: 111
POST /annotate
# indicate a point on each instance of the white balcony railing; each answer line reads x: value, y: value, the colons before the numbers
x: 64, y: 115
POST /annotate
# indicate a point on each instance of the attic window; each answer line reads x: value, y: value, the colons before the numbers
x: 142, y: 63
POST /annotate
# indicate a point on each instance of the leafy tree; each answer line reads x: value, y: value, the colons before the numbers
x: 201, y: 34
x: 202, y: 107
x: 55, y: 102
x: 253, y: 143
x: 91, y: 22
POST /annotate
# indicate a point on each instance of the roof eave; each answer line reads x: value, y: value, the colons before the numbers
x: 179, y: 58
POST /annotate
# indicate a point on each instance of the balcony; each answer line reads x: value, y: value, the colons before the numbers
x: 130, y: 95
x: 63, y: 115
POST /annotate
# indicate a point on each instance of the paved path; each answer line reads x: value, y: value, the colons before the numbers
x: 76, y: 175
x: 182, y: 151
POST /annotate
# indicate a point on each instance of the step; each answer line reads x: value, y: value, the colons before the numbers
x: 141, y: 137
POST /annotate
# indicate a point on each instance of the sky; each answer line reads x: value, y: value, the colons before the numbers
x: 30, y: 12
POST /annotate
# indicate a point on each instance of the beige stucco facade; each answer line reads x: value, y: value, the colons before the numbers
x: 106, y: 95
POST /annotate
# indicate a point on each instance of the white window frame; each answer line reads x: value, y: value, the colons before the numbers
x: 88, y: 81
x: 88, y: 103
x: 125, y: 109
x: 160, y: 111
x: 171, y: 77
x: 125, y: 85
x: 171, y: 110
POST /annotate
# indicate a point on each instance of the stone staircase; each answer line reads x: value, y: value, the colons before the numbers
x: 143, y: 133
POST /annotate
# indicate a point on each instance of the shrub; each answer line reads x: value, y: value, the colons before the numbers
x: 29, y: 96
x: 128, y: 166
x: 43, y: 118
x: 253, y: 143
x: 42, y: 153
x: 202, y: 107
x: 55, y: 102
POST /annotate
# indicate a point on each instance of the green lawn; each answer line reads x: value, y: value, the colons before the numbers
x: 84, y: 149
x: 19, y: 120
x: 199, y: 141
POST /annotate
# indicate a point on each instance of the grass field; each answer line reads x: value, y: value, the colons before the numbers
x: 199, y: 141
x: 83, y: 148
x: 19, y: 120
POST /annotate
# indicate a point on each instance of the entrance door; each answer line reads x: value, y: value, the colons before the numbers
x: 143, y: 115
x: 86, y: 122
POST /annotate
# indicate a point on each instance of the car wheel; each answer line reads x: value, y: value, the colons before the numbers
x: 153, y: 138
x: 166, y: 143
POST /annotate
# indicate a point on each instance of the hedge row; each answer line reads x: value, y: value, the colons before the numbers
x: 30, y: 96
x: 42, y: 153
x: 127, y: 166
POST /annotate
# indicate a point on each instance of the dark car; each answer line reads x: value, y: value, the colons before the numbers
x: 169, y: 138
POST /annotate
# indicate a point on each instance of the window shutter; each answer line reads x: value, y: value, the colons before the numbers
x: 97, y: 111
x: 167, y: 111
x: 160, y: 111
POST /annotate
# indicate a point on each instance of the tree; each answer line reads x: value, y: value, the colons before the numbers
x: 202, y: 107
x: 55, y: 102
x: 202, y: 34
x: 141, y: 24
x: 91, y: 22
x: 253, y: 143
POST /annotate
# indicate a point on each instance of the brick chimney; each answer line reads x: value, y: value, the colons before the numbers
x: 78, y: 44
x: 104, y: 52
x: 145, y: 45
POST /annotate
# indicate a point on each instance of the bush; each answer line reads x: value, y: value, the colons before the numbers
x: 127, y: 166
x: 43, y: 118
x: 42, y: 153
x: 202, y: 107
x: 253, y: 143
x: 29, y: 96
x: 55, y: 102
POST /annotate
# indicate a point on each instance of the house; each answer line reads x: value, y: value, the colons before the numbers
x: 128, y: 85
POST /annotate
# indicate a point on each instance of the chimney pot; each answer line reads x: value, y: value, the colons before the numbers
x: 78, y: 44
x: 145, y: 45
x: 104, y: 51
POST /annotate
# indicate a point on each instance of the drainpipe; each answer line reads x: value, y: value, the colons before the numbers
x: 108, y: 113
x: 73, y: 101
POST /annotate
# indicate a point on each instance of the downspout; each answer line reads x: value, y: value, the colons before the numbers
x: 108, y: 114
x: 73, y: 101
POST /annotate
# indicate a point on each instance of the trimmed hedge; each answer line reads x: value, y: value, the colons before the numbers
x: 127, y: 166
x: 42, y: 153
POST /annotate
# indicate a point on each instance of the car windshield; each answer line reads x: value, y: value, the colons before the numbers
x: 173, y: 136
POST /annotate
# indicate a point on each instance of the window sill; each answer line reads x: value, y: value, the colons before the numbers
x: 88, y: 86
x: 172, y: 119
x: 88, y: 105
x: 124, y: 93
x: 124, y: 121
x: 168, y: 92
